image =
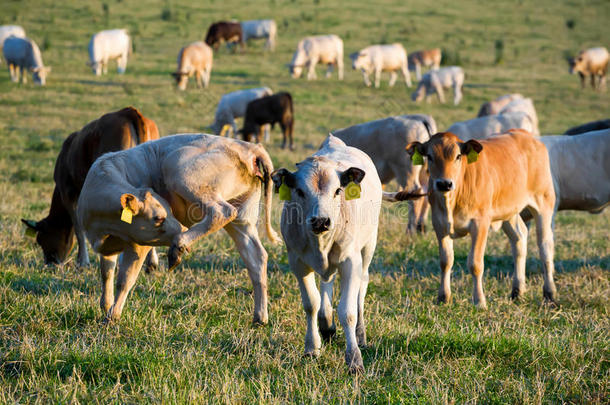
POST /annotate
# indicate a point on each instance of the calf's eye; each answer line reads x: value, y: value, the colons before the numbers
x: 300, y: 193
x: 459, y: 157
x: 338, y: 191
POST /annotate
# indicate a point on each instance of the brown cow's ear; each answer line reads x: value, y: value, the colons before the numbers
x: 282, y: 176
x: 352, y: 174
x: 413, y: 146
x: 131, y: 201
x: 470, y: 145
x: 30, y: 224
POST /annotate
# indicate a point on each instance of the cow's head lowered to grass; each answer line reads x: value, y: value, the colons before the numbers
x: 447, y: 159
x: 318, y: 188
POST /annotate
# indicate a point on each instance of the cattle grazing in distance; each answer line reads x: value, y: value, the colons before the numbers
x: 111, y: 132
x: 228, y: 31
x: 475, y: 185
x: 495, y: 106
x: 429, y: 58
x: 194, y: 59
x: 525, y: 105
x: 483, y: 127
x: 385, y: 141
x: 324, y: 49
x: 10, y: 31
x: 255, y: 29
x: 149, y: 195
x: 588, y: 127
x: 381, y: 58
x: 329, y: 224
x: 592, y: 62
x: 269, y: 110
x: 22, y: 55
x: 434, y: 81
x: 109, y: 45
x: 233, y: 105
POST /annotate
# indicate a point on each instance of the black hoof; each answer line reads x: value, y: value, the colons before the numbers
x: 421, y: 228
x: 515, y: 295
x: 441, y: 299
x: 328, y: 334
x: 549, y: 298
x: 151, y: 268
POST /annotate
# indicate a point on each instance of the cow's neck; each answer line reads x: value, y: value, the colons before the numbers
x: 59, y: 217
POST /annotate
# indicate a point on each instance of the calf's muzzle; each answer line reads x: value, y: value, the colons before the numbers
x: 319, y: 224
x: 444, y: 185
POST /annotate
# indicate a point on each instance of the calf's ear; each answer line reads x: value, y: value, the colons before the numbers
x: 30, y: 224
x: 131, y: 201
x: 282, y: 176
x: 471, y: 145
x: 352, y: 174
x: 415, y: 146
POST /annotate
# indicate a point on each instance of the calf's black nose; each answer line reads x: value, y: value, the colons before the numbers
x: 319, y: 224
x: 444, y: 185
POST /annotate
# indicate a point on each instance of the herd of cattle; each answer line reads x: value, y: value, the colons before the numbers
x: 120, y: 186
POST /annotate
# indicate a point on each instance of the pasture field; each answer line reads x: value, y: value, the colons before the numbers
x: 186, y: 336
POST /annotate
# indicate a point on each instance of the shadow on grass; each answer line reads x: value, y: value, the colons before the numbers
x: 45, y: 284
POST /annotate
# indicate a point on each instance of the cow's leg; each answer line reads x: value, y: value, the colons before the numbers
x: 310, y: 297
x: 406, y: 74
x: 198, y: 79
x: 122, y: 63
x: 217, y: 215
x: 457, y: 93
x: 544, y: 237
x: 329, y: 70
x: 254, y: 256
x: 418, y: 71
x: 516, y: 231
x: 107, y: 266
x: 267, y: 128
x: 206, y: 77
x: 445, y: 247
x: 393, y: 77
x: 420, y: 212
x: 582, y: 80
x: 478, y: 237
x: 340, y: 68
x: 351, y: 277
x: 367, y: 81
x: 261, y: 134
x: 24, y: 75
x: 377, y: 78
x: 325, y: 314
x: 152, y: 261
x: 104, y: 66
x: 438, y: 89
x: 311, y: 73
x: 367, y: 256
x: 83, y: 255
x: 287, y: 133
x: 14, y: 72
x: 593, y: 84
x: 130, y: 264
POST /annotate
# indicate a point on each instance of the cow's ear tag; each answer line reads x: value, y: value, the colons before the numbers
x: 30, y: 232
x: 352, y: 191
x: 473, y: 155
x: 285, y: 194
x: 126, y: 215
x: 417, y: 158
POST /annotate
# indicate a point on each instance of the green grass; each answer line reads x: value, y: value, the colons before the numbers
x: 186, y: 336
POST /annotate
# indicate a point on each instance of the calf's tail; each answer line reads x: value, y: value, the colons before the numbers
x: 401, y: 196
x: 263, y: 161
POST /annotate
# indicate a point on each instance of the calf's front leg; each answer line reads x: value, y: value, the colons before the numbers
x: 310, y: 297
x: 478, y: 236
x: 325, y: 315
x: 351, y: 277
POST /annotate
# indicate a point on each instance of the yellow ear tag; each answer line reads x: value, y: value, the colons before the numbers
x: 285, y: 194
x: 473, y: 155
x: 224, y: 129
x: 352, y: 191
x: 126, y: 215
x: 30, y: 232
x: 417, y: 158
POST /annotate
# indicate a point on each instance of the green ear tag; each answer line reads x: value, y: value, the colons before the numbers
x: 473, y: 155
x: 30, y: 232
x: 352, y: 191
x: 417, y: 158
x: 285, y: 194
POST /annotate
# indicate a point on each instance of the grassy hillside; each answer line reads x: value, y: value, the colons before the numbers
x: 186, y: 336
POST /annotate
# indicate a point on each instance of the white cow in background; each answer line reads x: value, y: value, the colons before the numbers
x: 525, y: 105
x: 495, y: 106
x: 109, y: 45
x: 255, y: 29
x: 233, y: 105
x: 382, y: 58
x: 325, y: 49
x: 329, y: 223
x: 23, y: 55
x: 10, y: 31
x: 482, y: 127
x: 436, y: 80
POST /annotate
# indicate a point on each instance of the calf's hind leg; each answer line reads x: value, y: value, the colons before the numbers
x: 516, y: 230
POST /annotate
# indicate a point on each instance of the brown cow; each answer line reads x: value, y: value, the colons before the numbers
x: 469, y: 191
x: 591, y: 62
x: 427, y: 58
x: 269, y: 110
x: 227, y: 31
x: 112, y: 132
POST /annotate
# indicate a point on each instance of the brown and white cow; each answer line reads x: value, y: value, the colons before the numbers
x: 591, y: 62
x: 494, y: 107
x: 430, y: 58
x: 194, y: 59
x: 269, y: 110
x: 227, y: 31
x: 148, y: 195
x: 476, y: 185
x: 111, y: 132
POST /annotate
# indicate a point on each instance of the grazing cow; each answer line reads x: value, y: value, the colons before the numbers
x: 382, y: 58
x: 21, y: 55
x: 10, y: 31
x: 588, y: 127
x: 384, y: 141
x: 477, y: 184
x: 194, y: 59
x: 111, y: 132
x: 483, y: 127
x: 430, y: 58
x: 325, y: 49
x: 233, y: 105
x: 147, y: 195
x: 591, y: 62
x: 269, y: 110
x: 495, y: 106
x: 227, y: 31
x: 329, y: 224
x: 255, y: 29
x: 435, y: 80
x: 525, y: 105
x: 109, y: 45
